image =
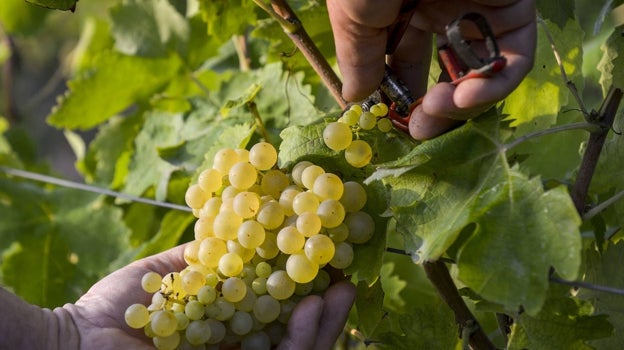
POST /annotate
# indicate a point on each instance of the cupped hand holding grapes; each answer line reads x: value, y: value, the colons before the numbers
x: 96, y: 320
x: 360, y: 31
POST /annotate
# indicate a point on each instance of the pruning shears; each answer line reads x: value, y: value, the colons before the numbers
x: 458, y: 59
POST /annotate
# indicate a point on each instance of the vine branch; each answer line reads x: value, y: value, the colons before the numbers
x: 439, y: 275
x: 567, y: 127
x: 291, y: 24
x: 602, y: 206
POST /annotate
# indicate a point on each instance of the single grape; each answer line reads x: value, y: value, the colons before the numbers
x: 226, y: 309
x: 195, y: 197
x: 359, y: 153
x: 337, y: 136
x: 246, y: 204
x: 300, y: 269
x: 263, y: 155
x: 241, y: 323
x: 270, y: 215
x: 198, y: 332
x: 190, y: 254
x: 251, y: 234
x: 256, y: 341
x: 230, y: 264
x: 266, y: 309
x: 207, y: 295
x: 226, y: 225
x: 290, y: 240
x: 361, y: 227
x: 384, y: 124
x: 308, y: 223
x: 150, y: 282
x: 169, y: 342
x: 211, y: 249
x: 137, y: 316
x: 210, y: 180
x: 343, y: 256
x: 321, y: 281
x: 247, y: 303
x: 328, y: 186
x: 193, y: 281
x: 274, y: 182
x: 338, y: 233
x: 263, y: 269
x: 164, y: 323
x: 242, y: 175
x: 286, y: 199
x: 217, y: 331
x: 243, y: 154
x: 183, y: 320
x: 279, y: 285
x: 309, y: 175
x: 319, y: 249
x: 268, y: 249
x: 237, y: 248
x: 353, y: 197
x: 305, y: 202
x: 331, y: 212
x: 224, y: 159
x: 350, y: 117
x: 259, y: 285
x: 204, y: 228
x: 356, y: 108
x: 298, y: 170
x: 367, y: 121
x: 211, y: 207
x: 194, y: 310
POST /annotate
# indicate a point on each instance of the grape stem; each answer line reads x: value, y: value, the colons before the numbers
x: 286, y: 17
x: 253, y: 108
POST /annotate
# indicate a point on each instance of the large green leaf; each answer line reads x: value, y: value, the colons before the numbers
x: 114, y: 83
x: 504, y: 217
x: 53, y: 242
x: 20, y: 17
x: 56, y: 4
x: 557, y: 11
x: 612, y: 61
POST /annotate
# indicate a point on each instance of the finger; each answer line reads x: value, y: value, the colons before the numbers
x: 338, y: 301
x: 171, y: 260
x: 360, y: 37
x: 303, y: 324
x: 423, y: 126
x: 411, y: 60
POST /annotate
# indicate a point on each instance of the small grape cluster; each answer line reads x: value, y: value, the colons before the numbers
x: 339, y: 135
x: 262, y: 239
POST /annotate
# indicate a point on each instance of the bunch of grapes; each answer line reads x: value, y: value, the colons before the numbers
x: 262, y: 238
x: 339, y: 135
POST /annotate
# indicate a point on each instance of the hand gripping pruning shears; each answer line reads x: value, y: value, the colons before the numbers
x: 458, y: 59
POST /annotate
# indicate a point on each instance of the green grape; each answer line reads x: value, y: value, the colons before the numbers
x: 206, y: 295
x: 274, y: 182
x: 256, y: 341
x: 190, y: 255
x: 384, y: 124
x: 224, y: 159
x: 243, y: 154
x: 194, y: 310
x: 211, y: 250
x: 183, y: 320
x: 193, y: 281
x: 290, y: 240
x: 268, y: 249
x: 226, y: 225
x: 137, y: 316
x: 303, y: 289
x: 242, y: 175
x: 337, y: 136
x: 158, y: 302
x: 353, y: 197
x: 308, y: 223
x: 246, y: 204
x: 227, y: 196
x: 210, y: 180
x: 331, y: 212
x: 338, y: 233
x: 251, y: 234
x: 298, y: 170
x: 246, y: 304
x: 233, y: 289
x: 300, y: 269
x: 204, y: 228
x: 367, y: 121
x: 151, y: 281
x: 195, y: 197
x: 259, y: 285
x: 226, y: 309
x: 309, y: 175
x: 172, y: 285
x: 287, y: 307
x: 169, y: 342
x: 359, y: 153
x: 211, y: 207
x: 343, y: 256
x: 198, y: 332
x: 237, y: 248
x: 305, y: 202
x: 177, y: 308
x: 286, y: 199
x: 263, y: 269
x: 164, y: 323
x: 356, y: 108
x: 263, y: 156
x: 241, y: 323
x: 279, y: 285
x: 270, y: 215
x: 217, y: 331
x: 321, y: 281
x: 266, y: 309
x: 230, y: 264
x: 361, y: 227
x: 350, y: 118
x: 328, y: 186
x: 319, y: 249
x: 212, y: 279
x: 379, y: 110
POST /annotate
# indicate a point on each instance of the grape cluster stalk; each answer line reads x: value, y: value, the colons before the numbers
x: 341, y: 135
x: 262, y: 239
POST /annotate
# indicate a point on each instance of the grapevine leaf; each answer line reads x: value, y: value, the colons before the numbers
x: 56, y: 4
x: 393, y: 286
x: 563, y: 323
x: 369, y: 304
x: 514, y: 216
x: 612, y: 60
x: 228, y: 18
x: 173, y: 225
x: 119, y: 80
x: 57, y: 246
x: 605, y: 269
x: 148, y: 28
x: 20, y: 17
x: 558, y: 11
x: 543, y: 86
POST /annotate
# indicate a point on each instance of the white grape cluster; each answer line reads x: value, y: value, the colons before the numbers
x: 339, y: 135
x: 262, y: 239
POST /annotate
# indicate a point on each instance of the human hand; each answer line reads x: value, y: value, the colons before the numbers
x: 99, y: 315
x: 360, y: 31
